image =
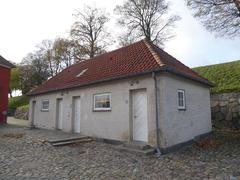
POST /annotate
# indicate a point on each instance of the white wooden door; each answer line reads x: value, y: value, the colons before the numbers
x: 59, y: 114
x: 139, y: 113
x: 76, y: 114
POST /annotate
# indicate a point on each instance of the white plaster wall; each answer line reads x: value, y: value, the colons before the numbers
x: 178, y: 126
x: 112, y: 124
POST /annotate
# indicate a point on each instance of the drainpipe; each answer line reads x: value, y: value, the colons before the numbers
x: 158, y: 152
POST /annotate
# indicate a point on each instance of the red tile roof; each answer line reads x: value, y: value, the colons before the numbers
x: 139, y: 58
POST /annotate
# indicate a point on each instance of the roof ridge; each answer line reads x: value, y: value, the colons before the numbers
x: 153, y: 52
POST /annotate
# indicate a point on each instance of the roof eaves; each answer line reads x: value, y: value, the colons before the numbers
x: 162, y: 69
x: 6, y: 63
x: 97, y: 82
x: 173, y: 71
x: 9, y: 66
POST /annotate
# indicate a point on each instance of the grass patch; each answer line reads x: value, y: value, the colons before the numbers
x: 18, y: 101
x: 225, y: 76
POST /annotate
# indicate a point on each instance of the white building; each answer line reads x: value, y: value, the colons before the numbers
x: 135, y: 93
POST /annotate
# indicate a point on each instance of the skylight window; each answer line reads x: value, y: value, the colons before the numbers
x: 82, y: 72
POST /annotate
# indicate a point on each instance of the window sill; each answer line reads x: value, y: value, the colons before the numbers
x: 182, y: 109
x: 101, y: 110
x: 45, y: 110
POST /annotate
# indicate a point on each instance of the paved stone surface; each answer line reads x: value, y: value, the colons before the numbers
x: 19, y: 122
x: 25, y: 155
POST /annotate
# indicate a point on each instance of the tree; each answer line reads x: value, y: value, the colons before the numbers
x: 67, y: 52
x: 219, y: 16
x: 33, y: 71
x: 124, y: 39
x: 90, y: 32
x: 46, y: 53
x: 147, y: 18
x: 26, y: 78
x: 15, y: 80
x: 46, y: 61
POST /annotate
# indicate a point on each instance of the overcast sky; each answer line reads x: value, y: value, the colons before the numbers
x: 26, y: 23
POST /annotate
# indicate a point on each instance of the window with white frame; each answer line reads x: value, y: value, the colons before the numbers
x: 102, y: 102
x: 181, y: 99
x: 45, y: 105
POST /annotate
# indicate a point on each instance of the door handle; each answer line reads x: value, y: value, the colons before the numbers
x: 135, y: 116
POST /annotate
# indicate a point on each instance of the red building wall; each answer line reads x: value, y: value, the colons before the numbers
x: 4, y: 89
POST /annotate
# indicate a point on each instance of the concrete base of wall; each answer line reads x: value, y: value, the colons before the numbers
x: 108, y: 141
x: 170, y: 149
x: 179, y: 146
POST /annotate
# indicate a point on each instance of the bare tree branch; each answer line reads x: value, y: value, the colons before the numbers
x: 89, y: 31
x: 67, y: 52
x: 146, y: 18
x: 219, y: 16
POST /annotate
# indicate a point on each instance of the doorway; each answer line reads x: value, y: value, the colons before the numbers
x: 33, y: 112
x: 139, y: 115
x: 76, y: 114
x: 59, y: 116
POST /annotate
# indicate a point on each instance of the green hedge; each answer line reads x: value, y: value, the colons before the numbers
x: 226, y: 76
x: 17, y: 101
x: 25, y: 107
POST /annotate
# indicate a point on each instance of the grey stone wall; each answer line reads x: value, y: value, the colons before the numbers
x: 225, y: 109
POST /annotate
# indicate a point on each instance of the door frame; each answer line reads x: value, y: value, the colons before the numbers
x: 33, y: 112
x: 73, y: 113
x: 57, y: 112
x: 132, y: 91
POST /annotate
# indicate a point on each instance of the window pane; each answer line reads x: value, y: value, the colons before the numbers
x: 181, y: 99
x: 102, y: 101
x: 181, y: 102
x: 45, y: 104
x: 180, y: 95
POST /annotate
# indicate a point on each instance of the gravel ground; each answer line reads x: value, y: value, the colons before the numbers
x: 25, y: 155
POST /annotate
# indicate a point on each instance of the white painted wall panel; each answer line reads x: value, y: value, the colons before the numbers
x: 175, y: 126
x: 179, y: 126
x: 114, y: 124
